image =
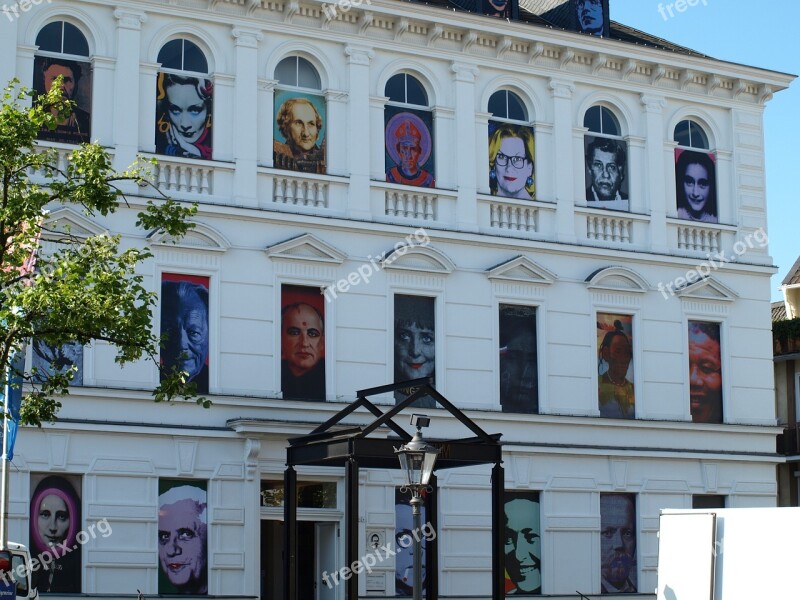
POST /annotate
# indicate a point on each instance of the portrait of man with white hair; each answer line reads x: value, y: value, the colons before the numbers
x: 182, y: 538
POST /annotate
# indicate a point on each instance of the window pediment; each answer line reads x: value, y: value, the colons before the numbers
x: 418, y: 258
x: 201, y: 237
x: 522, y: 269
x: 308, y: 248
x: 68, y: 222
x: 617, y: 279
x: 707, y: 289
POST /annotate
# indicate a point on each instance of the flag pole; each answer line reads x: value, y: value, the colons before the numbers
x: 4, y: 461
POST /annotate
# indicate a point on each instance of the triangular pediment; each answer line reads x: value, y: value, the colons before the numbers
x: 708, y: 289
x: 427, y: 259
x: 617, y: 279
x: 308, y: 248
x: 522, y: 269
x: 67, y: 222
x: 200, y: 237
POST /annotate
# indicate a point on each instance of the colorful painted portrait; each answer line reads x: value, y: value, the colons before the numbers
x: 497, y: 8
x: 590, y: 16
x: 184, y: 327
x: 618, y: 543
x: 55, y: 525
x: 696, y: 186
x: 182, y: 537
x: 523, y: 544
x: 76, y: 86
x: 519, y: 381
x: 299, y: 132
x: 414, y: 344
x: 408, y: 134
x: 404, y: 545
x: 615, y: 366
x: 606, y: 173
x: 302, y: 343
x: 184, y: 116
x: 49, y: 360
x: 705, y: 372
x: 511, y: 155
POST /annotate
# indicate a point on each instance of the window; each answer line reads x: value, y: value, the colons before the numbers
x: 302, y: 343
x: 523, y: 543
x: 606, y: 160
x: 618, y: 573
x: 408, y: 133
x: 696, y: 186
x: 708, y: 501
x: 512, y: 148
x: 299, y: 131
x: 414, y: 344
x: 310, y: 494
x: 705, y: 372
x: 519, y: 382
x: 615, y: 366
x: 184, y: 102
x: 690, y: 135
x: 61, y: 47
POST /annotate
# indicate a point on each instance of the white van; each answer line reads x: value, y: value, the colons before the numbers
x: 15, y: 572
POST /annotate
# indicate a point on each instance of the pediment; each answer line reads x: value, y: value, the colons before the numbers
x: 522, y: 269
x: 707, y: 289
x: 307, y: 248
x: 200, y: 237
x: 617, y: 279
x: 68, y: 222
x: 409, y: 257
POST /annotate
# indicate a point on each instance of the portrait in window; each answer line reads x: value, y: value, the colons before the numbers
x: 497, y: 8
x: 705, y: 372
x: 409, y: 147
x: 299, y: 132
x: 618, y: 565
x: 50, y: 359
x: 696, y: 185
x: 414, y: 344
x: 182, y: 537
x: 519, y: 381
x: 511, y: 154
x: 184, y: 327
x: 615, y: 390
x: 302, y: 343
x: 522, y: 543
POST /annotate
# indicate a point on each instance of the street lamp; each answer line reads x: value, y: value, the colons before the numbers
x: 417, y: 458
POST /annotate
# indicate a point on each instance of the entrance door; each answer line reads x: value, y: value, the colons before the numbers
x: 325, y: 559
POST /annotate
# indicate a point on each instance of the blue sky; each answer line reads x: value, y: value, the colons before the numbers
x: 761, y: 34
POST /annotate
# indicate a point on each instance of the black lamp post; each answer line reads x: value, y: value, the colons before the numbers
x: 417, y: 458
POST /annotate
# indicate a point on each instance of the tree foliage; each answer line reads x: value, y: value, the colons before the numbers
x: 88, y: 288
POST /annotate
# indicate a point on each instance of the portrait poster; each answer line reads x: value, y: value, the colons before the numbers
x: 49, y: 360
x: 182, y: 536
x: 299, y: 132
x: 408, y: 135
x: 77, y: 86
x: 56, y: 529
x: 497, y: 8
x: 184, y: 327
x: 618, y: 565
x: 512, y: 149
x: 519, y: 381
x: 404, y: 544
x: 414, y: 344
x: 606, y: 173
x: 696, y: 185
x: 184, y: 116
x: 523, y: 543
x: 705, y: 372
x: 615, y: 390
x: 302, y: 343
x: 590, y: 16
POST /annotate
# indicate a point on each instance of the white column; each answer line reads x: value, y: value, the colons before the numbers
x: 336, y: 131
x: 24, y: 66
x: 102, y: 105
x: 8, y: 47
x: 126, y: 87
x: 466, y: 177
x: 245, y: 102
x: 358, y: 131
x: 264, y: 118
x: 148, y: 80
x: 564, y: 168
x: 224, y: 118
x: 656, y: 196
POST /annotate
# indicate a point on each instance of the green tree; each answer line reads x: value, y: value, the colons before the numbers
x: 87, y: 289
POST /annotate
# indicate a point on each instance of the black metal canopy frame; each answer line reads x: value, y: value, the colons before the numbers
x: 352, y: 449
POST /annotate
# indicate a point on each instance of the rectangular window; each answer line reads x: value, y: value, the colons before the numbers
x: 618, y: 568
x: 409, y: 150
x: 310, y: 494
x: 705, y: 372
x: 511, y: 166
x: 302, y: 343
x: 77, y: 86
x: 414, y: 344
x: 54, y: 360
x: 184, y: 116
x: 182, y: 536
x: 606, y: 173
x: 615, y: 366
x: 708, y: 501
x: 523, y: 543
x: 299, y: 132
x: 519, y: 382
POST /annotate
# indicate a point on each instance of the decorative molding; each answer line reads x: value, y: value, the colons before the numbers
x: 566, y: 57
x: 561, y: 89
x: 687, y: 77
x: 522, y: 269
x: 246, y: 38
x: 617, y: 279
x: 290, y: 10
x: 714, y: 82
x: 504, y: 46
x: 464, y: 72
x: 418, y: 258
x: 765, y: 93
x: 598, y: 63
x: 535, y: 50
x: 434, y: 33
x: 186, y: 451
x: 306, y: 248
x: 252, y: 449
x: 129, y: 19
x: 659, y: 72
x: 366, y: 22
x: 707, y: 289
x: 401, y: 29
x: 628, y: 69
x: 468, y: 41
x: 66, y: 221
x: 200, y: 237
x: 359, y: 55
x: 740, y: 88
x: 653, y: 104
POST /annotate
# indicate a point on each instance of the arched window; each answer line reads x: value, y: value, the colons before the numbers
x: 63, y: 52
x: 606, y: 160
x: 408, y: 133
x: 299, y: 130
x: 511, y: 148
x: 690, y: 135
x: 184, y: 102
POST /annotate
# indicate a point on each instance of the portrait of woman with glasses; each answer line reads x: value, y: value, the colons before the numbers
x: 511, y: 153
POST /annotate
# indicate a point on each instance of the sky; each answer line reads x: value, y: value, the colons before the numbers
x: 760, y: 34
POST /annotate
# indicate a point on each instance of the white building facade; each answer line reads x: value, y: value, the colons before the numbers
x: 266, y: 231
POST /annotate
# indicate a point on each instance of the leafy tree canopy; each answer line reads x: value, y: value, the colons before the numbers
x: 88, y: 288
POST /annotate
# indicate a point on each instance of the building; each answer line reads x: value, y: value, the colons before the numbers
x: 489, y: 202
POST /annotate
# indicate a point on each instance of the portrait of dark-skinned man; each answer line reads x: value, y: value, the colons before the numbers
x: 299, y: 142
x: 184, y: 327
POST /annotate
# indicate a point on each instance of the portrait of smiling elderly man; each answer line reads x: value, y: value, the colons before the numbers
x: 182, y: 538
x: 523, y: 544
x: 299, y: 143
